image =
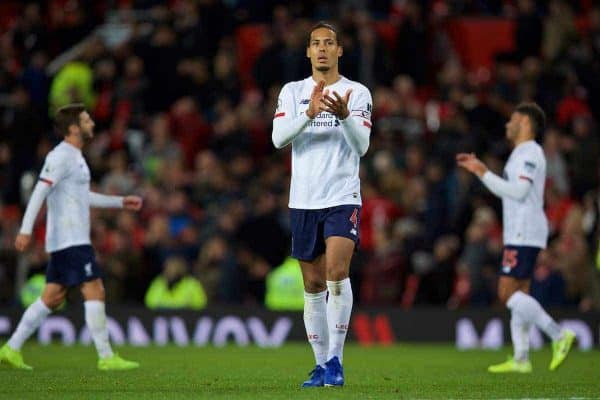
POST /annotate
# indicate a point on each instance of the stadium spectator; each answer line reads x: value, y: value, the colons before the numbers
x: 175, y: 289
x: 284, y: 287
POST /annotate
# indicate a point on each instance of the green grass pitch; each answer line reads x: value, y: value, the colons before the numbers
x: 402, y: 371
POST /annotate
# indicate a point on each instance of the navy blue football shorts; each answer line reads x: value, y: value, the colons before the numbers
x: 310, y: 228
x: 519, y: 261
x: 73, y: 266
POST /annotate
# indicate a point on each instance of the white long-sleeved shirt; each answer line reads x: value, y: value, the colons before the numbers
x: 65, y: 185
x: 522, y: 193
x: 503, y: 188
x: 325, y: 151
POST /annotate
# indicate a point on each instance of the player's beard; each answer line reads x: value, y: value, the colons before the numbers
x: 323, y: 68
x: 87, y: 135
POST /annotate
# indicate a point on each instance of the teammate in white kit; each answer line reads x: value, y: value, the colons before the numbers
x: 327, y: 119
x: 525, y: 233
x: 65, y: 184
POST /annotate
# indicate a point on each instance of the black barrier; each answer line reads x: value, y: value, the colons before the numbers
x: 245, y: 326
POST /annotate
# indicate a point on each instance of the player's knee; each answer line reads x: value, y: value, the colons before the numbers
x: 100, y: 292
x: 93, y: 290
x: 314, y: 286
x: 53, y: 301
x: 94, y: 294
x: 504, y: 295
x: 337, y: 272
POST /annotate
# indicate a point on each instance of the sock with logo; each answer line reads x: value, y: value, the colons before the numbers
x: 531, y: 311
x: 339, y: 308
x: 315, y: 322
x: 31, y: 320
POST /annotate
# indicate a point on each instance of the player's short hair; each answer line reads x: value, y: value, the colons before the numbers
x: 66, y: 116
x: 326, y: 25
x: 536, y: 115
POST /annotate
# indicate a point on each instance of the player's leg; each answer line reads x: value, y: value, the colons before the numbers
x: 339, y: 307
x: 308, y: 246
x: 315, y: 316
x: 52, y: 297
x: 529, y: 310
x: 84, y: 272
x: 340, y: 229
x: 95, y: 318
x: 315, y: 307
x: 513, y: 290
x: 338, y: 256
x: 519, y: 329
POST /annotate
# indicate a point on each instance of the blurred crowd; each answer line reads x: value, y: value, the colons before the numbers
x: 180, y: 125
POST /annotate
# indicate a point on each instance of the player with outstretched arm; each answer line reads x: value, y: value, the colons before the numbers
x: 525, y: 233
x: 64, y: 183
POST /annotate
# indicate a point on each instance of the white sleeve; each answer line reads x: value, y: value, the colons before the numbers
x: 103, y: 201
x: 54, y: 170
x: 36, y: 200
x: 286, y: 125
x: 357, y: 126
x: 503, y: 188
x: 527, y: 166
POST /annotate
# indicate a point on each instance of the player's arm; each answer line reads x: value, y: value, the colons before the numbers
x: 52, y: 172
x: 98, y: 200
x: 286, y: 126
x: 502, y: 188
x: 517, y: 190
x: 36, y: 200
x: 355, y: 121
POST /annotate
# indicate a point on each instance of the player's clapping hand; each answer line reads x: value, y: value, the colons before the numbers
x: 315, y: 100
x: 336, y: 105
x: 22, y: 241
x: 471, y: 163
x: 133, y: 203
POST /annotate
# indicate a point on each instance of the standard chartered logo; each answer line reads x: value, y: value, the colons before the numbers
x: 324, y: 120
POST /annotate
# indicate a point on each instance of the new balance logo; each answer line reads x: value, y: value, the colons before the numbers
x: 88, y: 269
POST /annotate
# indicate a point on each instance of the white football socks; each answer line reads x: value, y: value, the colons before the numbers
x: 519, y: 330
x: 339, y: 308
x: 315, y: 322
x: 95, y: 318
x: 530, y: 310
x: 31, y: 320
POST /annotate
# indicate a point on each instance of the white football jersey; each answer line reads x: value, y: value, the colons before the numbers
x: 324, y: 167
x: 524, y: 221
x: 68, y: 203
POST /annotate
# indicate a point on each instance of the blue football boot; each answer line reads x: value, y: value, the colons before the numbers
x: 334, y: 373
x: 316, y: 379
